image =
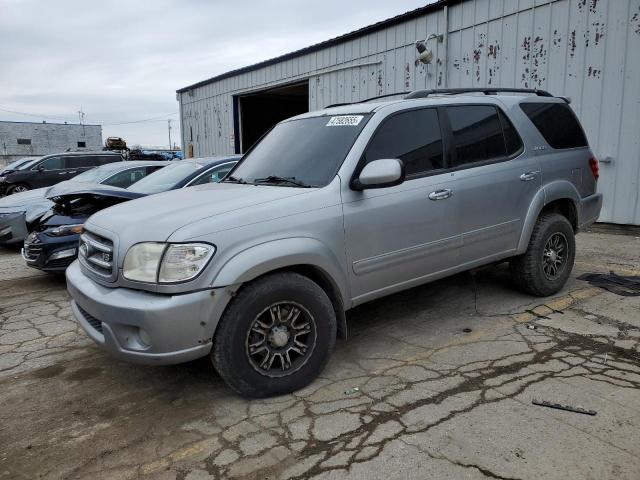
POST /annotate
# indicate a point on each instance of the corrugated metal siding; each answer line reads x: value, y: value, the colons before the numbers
x: 585, y: 49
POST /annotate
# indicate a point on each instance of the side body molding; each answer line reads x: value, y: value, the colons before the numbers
x: 549, y: 192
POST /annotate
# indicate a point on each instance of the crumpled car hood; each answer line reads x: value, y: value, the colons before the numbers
x: 91, y: 190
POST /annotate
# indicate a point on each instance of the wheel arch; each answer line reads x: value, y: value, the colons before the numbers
x: 305, y: 256
x: 560, y: 197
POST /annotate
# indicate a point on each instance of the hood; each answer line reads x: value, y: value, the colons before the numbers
x: 159, y: 215
x: 23, y: 198
x: 40, y: 195
x: 90, y: 190
x: 71, y: 186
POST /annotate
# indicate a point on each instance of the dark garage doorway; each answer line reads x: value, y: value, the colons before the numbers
x: 260, y: 111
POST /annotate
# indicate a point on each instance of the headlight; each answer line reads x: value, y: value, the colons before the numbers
x: 152, y: 262
x: 2, y: 179
x: 65, y: 230
x: 142, y: 261
x: 184, y: 261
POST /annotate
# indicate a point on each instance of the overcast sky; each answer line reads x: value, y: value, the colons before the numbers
x: 123, y: 60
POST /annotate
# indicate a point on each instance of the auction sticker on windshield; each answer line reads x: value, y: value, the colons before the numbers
x: 344, y: 120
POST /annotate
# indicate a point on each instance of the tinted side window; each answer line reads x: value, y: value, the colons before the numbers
x: 413, y: 137
x: 212, y: 176
x: 80, y: 162
x: 126, y: 178
x: 53, y: 163
x: 477, y: 133
x: 557, y: 124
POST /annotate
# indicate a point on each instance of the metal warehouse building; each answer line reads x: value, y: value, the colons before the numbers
x: 26, y: 139
x: 588, y: 50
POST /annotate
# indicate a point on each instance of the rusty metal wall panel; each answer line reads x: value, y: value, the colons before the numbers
x: 585, y: 49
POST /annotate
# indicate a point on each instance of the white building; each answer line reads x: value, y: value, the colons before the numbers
x: 26, y: 139
x: 585, y: 49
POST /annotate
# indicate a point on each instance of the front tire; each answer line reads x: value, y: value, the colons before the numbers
x: 275, y: 336
x: 18, y: 188
x: 546, y: 265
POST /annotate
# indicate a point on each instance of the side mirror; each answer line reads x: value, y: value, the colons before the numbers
x: 40, y: 168
x: 380, y: 174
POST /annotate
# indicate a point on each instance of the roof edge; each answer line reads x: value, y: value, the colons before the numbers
x: 325, y: 44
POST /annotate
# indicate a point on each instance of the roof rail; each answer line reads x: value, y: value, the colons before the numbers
x: 369, y: 99
x: 486, y: 91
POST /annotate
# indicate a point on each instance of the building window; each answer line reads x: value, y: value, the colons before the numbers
x: 24, y: 141
x: 82, y: 144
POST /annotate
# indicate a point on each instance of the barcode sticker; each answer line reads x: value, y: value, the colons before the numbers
x: 344, y: 120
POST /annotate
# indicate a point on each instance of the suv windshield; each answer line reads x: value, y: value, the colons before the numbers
x: 305, y: 152
x: 165, y: 178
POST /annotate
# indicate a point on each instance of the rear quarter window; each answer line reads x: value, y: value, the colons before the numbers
x: 557, y: 123
x: 481, y: 133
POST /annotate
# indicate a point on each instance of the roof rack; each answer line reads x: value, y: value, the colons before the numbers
x: 486, y: 91
x: 369, y: 99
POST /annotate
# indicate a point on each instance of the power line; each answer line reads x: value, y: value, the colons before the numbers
x: 33, y: 115
x: 160, y: 118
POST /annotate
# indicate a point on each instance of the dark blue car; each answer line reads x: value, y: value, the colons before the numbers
x: 53, y: 245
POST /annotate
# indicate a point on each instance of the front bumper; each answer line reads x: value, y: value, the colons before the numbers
x: 13, y: 228
x: 39, y: 248
x: 589, y: 210
x: 177, y: 328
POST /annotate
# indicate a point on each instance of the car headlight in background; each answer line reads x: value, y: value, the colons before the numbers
x: 2, y: 179
x: 65, y: 230
x: 153, y: 262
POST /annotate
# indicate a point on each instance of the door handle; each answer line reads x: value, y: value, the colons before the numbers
x: 71, y: 173
x: 528, y: 176
x: 440, y: 194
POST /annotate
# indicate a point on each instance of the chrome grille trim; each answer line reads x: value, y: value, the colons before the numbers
x: 95, y: 253
x: 32, y: 248
x: 100, y: 263
x: 103, y: 247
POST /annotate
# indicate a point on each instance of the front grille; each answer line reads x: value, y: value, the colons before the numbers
x: 32, y: 247
x: 96, y: 253
x: 93, y: 321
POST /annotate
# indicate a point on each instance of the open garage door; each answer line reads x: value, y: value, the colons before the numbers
x: 260, y: 111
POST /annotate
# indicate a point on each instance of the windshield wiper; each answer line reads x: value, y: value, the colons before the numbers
x: 277, y: 179
x: 232, y: 179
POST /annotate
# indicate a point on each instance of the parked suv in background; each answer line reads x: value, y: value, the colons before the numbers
x: 53, y: 169
x: 332, y: 209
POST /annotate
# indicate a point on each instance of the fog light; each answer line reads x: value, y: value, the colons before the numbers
x: 144, y: 337
x: 66, y: 253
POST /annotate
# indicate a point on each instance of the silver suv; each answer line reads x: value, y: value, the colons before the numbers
x: 332, y: 209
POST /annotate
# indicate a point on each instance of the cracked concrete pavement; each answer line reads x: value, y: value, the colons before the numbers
x: 434, y: 382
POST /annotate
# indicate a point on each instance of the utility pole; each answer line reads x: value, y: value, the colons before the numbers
x: 81, y: 118
x: 169, y: 125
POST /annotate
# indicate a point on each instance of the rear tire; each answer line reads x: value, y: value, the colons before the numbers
x: 546, y: 265
x: 275, y: 336
x: 20, y: 187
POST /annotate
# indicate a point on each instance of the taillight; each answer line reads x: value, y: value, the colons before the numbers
x: 593, y: 165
